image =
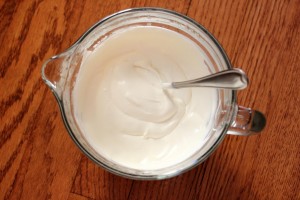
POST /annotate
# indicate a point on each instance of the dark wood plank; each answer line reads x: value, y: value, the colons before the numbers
x: 38, y: 159
x: 73, y: 196
x: 96, y: 183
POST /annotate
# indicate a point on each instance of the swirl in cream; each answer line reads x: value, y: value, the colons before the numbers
x: 135, y: 87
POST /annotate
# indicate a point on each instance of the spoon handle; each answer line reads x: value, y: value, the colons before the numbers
x: 234, y: 79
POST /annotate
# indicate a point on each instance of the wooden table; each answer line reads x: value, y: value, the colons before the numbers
x: 38, y: 160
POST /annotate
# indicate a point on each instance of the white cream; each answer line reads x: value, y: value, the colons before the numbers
x: 125, y: 112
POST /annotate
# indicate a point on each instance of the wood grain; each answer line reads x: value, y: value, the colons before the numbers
x: 38, y: 160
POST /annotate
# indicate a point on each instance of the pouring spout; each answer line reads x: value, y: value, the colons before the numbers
x: 54, y: 72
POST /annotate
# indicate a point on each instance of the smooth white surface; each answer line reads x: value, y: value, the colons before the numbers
x: 125, y: 112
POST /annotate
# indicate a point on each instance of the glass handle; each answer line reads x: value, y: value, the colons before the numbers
x: 247, y: 122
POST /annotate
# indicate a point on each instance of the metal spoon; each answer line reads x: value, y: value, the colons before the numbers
x: 234, y: 79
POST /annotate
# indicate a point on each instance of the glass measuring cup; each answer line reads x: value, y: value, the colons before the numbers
x: 60, y: 72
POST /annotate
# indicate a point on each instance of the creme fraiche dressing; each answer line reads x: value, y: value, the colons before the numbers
x: 124, y: 111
